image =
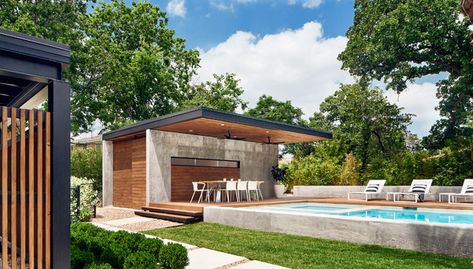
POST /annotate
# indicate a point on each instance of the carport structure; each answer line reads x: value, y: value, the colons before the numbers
x: 34, y: 152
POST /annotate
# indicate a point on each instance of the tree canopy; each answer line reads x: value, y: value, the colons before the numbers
x: 271, y: 109
x: 364, y: 122
x: 224, y: 94
x: 130, y: 66
x: 398, y: 41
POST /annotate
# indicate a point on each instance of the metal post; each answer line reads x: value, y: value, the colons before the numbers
x: 59, y: 106
x: 77, y: 190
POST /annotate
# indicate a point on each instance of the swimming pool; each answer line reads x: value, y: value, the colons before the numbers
x: 377, y: 212
x: 430, y: 230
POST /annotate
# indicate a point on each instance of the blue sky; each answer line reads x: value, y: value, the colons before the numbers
x: 284, y: 48
x: 207, y: 23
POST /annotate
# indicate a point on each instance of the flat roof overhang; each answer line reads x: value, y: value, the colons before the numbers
x: 224, y: 125
x: 27, y: 64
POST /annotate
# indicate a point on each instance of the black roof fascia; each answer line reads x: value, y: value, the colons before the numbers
x: 262, y: 123
x: 154, y: 123
x: 33, y: 47
x: 210, y: 114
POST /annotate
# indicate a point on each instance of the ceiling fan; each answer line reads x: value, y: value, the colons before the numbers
x: 230, y: 136
x: 272, y: 143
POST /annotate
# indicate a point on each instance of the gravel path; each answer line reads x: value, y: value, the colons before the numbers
x: 109, y: 215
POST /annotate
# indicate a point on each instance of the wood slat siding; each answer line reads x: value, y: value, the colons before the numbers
x: 129, y: 173
x: 183, y: 176
x: 13, y: 175
x: 26, y: 188
x: 5, y: 203
x: 31, y: 190
x: 22, y: 190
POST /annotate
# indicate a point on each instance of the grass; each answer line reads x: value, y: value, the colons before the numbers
x: 304, y: 252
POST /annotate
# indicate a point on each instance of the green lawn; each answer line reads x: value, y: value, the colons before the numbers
x: 303, y: 252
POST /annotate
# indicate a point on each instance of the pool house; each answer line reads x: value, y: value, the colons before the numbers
x: 156, y: 160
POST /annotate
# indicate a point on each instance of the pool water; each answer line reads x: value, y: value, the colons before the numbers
x: 413, y: 215
x: 388, y: 213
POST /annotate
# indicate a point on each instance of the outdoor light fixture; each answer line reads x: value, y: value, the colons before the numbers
x: 191, y: 131
x: 222, y: 124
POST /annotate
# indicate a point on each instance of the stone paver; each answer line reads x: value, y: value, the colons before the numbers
x: 203, y: 258
x: 257, y: 265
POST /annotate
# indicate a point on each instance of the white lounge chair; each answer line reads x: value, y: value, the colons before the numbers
x: 419, y: 187
x: 466, y: 191
x: 372, y: 188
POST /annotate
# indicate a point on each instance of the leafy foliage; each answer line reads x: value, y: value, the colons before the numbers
x: 350, y: 171
x: 88, y: 198
x: 140, y: 260
x: 279, y: 174
x: 93, y: 247
x: 365, y: 123
x: 173, y: 256
x: 87, y: 163
x: 222, y: 94
x: 400, y: 41
x: 271, y: 109
x: 130, y: 65
x: 312, y: 170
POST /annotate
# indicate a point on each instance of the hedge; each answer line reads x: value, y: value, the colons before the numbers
x: 96, y: 248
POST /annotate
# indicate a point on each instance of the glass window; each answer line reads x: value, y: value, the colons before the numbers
x: 204, y: 162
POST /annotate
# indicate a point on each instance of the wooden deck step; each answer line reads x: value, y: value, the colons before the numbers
x: 192, y: 213
x: 166, y: 216
x: 179, y: 206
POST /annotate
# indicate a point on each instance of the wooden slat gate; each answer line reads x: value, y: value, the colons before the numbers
x: 25, y: 188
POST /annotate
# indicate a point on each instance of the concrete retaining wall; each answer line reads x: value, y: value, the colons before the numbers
x: 342, y: 191
x: 454, y: 240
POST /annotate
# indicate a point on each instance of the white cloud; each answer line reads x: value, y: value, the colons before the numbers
x: 177, y: 8
x: 306, y: 3
x: 228, y: 5
x: 301, y: 65
x: 222, y: 5
x: 418, y: 99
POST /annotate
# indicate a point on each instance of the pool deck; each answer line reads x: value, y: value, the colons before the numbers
x: 378, y: 202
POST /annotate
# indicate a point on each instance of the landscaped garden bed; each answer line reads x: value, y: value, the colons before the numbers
x: 304, y: 252
x: 94, y: 248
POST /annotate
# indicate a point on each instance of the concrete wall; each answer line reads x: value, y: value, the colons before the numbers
x: 107, y: 173
x: 255, y: 159
x: 342, y: 191
x: 452, y: 240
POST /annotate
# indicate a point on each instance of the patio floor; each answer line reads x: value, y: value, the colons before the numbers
x: 377, y: 202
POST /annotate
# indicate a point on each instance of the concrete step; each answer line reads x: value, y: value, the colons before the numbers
x: 166, y: 216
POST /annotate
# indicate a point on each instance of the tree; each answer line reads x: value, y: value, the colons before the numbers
x: 53, y: 20
x: 130, y: 66
x: 400, y: 41
x: 269, y: 108
x: 126, y: 64
x: 365, y: 123
x: 224, y: 94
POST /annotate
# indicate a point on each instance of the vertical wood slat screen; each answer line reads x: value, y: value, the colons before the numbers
x: 25, y: 188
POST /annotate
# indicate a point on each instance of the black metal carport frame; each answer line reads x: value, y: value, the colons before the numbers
x: 40, y: 63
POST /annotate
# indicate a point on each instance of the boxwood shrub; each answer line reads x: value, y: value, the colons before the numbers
x: 173, y: 256
x: 96, y: 248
